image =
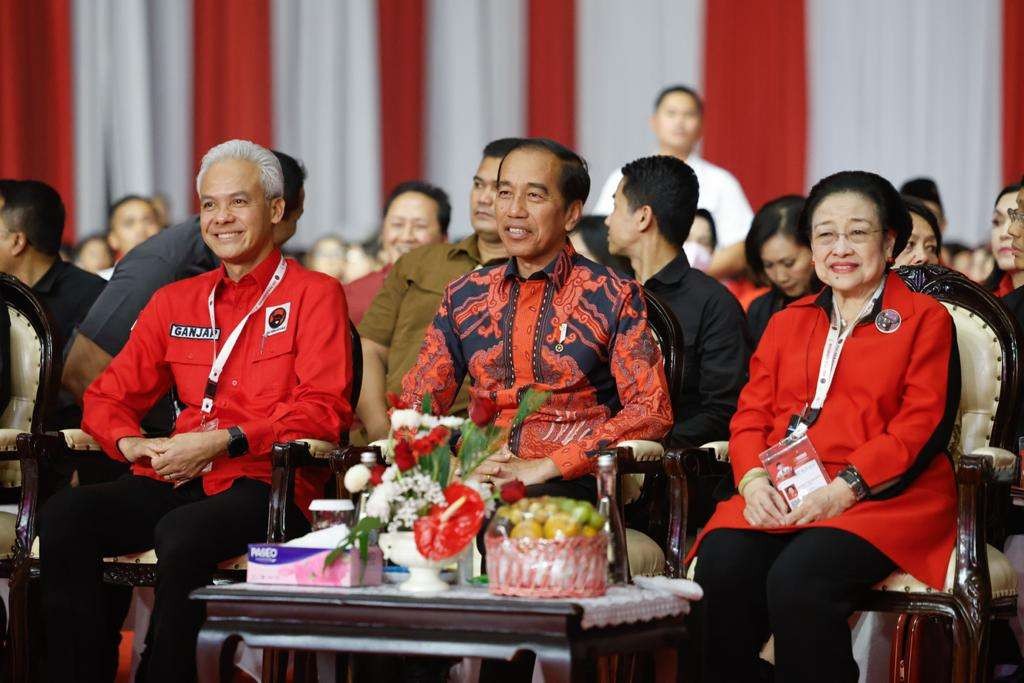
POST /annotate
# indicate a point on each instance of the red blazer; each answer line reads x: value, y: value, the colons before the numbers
x: 889, y: 413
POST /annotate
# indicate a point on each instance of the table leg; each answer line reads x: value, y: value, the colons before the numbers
x: 556, y: 665
x: 215, y: 655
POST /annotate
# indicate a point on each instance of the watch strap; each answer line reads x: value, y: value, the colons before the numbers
x: 852, y: 477
x: 238, y: 444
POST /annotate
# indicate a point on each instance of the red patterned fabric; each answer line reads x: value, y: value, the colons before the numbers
x: 575, y: 329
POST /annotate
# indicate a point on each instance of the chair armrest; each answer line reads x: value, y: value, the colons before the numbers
x: 720, y: 450
x: 9, y: 443
x: 971, y: 580
x: 1005, y: 465
x: 384, y: 448
x: 78, y: 440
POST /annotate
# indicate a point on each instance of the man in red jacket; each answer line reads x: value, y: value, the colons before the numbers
x: 259, y: 352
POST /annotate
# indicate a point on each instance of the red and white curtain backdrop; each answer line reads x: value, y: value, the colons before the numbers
x: 107, y: 97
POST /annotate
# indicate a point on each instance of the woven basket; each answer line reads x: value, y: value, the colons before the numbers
x: 575, y: 567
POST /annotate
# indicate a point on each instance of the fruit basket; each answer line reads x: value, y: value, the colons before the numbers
x: 547, y: 547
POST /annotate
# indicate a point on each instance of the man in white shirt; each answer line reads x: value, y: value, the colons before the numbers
x: 677, y: 123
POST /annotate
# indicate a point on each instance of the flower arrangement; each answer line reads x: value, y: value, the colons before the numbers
x: 419, y: 490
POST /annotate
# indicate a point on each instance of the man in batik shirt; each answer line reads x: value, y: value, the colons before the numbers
x: 550, y: 320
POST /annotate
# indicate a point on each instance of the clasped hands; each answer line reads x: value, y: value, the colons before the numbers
x: 766, y: 508
x: 503, y: 467
x: 177, y: 458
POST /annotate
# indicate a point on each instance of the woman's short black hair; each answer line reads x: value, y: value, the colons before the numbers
x: 892, y: 212
x: 777, y: 217
x: 1009, y: 189
x: 916, y: 206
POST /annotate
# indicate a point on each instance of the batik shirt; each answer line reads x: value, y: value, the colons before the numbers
x: 575, y: 329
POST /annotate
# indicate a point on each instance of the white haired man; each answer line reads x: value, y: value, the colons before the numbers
x: 259, y: 352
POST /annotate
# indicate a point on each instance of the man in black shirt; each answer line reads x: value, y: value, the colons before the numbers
x: 174, y: 254
x: 31, y: 224
x: 655, y: 203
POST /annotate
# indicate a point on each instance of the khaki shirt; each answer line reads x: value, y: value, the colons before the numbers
x: 405, y: 306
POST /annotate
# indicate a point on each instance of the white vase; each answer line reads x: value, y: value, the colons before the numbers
x: 424, y: 574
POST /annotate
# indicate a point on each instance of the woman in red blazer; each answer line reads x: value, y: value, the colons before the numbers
x: 880, y: 421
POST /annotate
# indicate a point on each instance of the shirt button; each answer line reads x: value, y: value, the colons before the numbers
x: 190, y: 355
x: 234, y: 382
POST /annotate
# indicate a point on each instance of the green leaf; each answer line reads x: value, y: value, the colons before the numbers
x: 427, y: 404
x: 529, y: 403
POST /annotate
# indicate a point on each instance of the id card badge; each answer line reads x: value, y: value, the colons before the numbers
x: 795, y: 468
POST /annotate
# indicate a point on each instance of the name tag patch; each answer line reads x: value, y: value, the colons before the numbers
x: 194, y: 332
x: 276, y: 318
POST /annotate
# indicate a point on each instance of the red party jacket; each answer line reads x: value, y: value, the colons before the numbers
x: 288, y: 377
x: 889, y: 413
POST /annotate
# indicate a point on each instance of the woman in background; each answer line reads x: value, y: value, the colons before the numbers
x: 778, y: 258
x: 1005, y: 276
x: 925, y: 243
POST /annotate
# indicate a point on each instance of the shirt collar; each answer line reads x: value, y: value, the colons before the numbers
x: 49, y: 278
x: 260, y: 275
x: 895, y: 295
x: 469, y: 246
x: 674, y: 271
x: 557, y: 271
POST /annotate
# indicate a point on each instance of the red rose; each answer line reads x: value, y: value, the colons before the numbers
x: 511, y: 491
x: 438, y: 435
x: 482, y: 411
x: 403, y: 456
x: 377, y: 474
x: 395, y: 401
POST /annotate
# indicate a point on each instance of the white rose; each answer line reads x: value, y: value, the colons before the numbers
x: 379, y: 503
x: 405, y: 419
x: 452, y: 422
x: 357, y: 477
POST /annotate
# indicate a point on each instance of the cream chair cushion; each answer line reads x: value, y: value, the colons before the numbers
x: 1004, y: 579
x: 981, y: 360
x: 26, y: 361
x: 77, y: 440
x: 8, y: 521
x: 645, y: 556
x: 319, y: 449
x: 643, y: 451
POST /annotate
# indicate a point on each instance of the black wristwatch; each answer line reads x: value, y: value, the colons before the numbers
x: 852, y: 477
x: 237, y: 443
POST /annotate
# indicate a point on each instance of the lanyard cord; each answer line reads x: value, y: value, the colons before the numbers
x: 220, y: 358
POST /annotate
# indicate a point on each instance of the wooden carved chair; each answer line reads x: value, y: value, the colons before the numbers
x: 980, y: 584
x: 139, y: 569
x: 35, y: 365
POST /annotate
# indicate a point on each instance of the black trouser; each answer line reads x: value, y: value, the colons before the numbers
x: 190, y: 531
x: 801, y: 587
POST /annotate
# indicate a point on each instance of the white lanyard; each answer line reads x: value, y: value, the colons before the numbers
x: 834, y: 344
x: 220, y: 359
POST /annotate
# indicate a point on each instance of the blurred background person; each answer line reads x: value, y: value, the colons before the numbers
x: 93, y: 254
x: 956, y: 256
x: 925, y: 243
x: 778, y: 258
x: 926, y: 190
x: 361, y: 259
x: 415, y: 213
x: 678, y: 125
x: 328, y: 255
x: 132, y: 221
x: 1004, y: 276
x: 590, y: 239
x: 700, y: 245
x: 162, y: 206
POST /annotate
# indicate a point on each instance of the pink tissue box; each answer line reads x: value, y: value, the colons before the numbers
x: 285, y: 564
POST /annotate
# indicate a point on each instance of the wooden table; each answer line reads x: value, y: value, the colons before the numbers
x: 464, y: 623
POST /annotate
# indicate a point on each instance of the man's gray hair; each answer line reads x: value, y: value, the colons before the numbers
x: 271, y: 177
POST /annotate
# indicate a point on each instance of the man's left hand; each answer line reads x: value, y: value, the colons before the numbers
x: 531, y: 471
x: 825, y: 503
x: 183, y: 456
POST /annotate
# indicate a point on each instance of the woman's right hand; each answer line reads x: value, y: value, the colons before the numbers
x: 765, y: 506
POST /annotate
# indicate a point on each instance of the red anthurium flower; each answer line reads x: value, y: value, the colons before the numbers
x: 511, y: 491
x: 404, y: 456
x: 377, y: 474
x: 447, y: 530
x: 482, y: 411
x: 395, y: 401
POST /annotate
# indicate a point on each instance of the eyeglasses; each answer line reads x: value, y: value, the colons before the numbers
x: 827, y: 238
x: 1016, y: 215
